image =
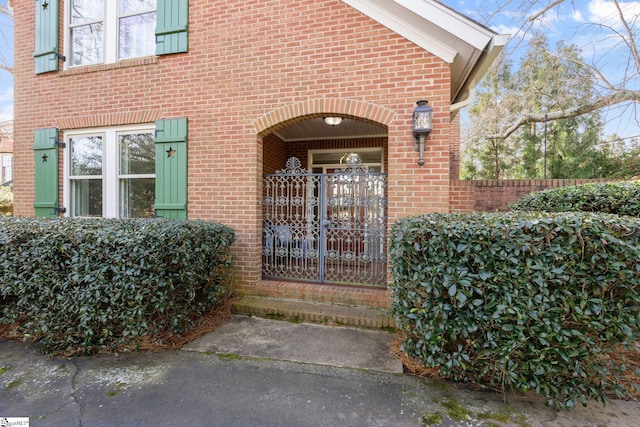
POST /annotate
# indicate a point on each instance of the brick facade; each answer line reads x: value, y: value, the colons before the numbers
x: 252, y: 68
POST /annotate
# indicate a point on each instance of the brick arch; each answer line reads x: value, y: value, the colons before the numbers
x: 303, y: 110
x: 110, y: 119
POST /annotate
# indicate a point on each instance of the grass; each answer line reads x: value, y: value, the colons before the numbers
x: 455, y: 410
x: 429, y: 420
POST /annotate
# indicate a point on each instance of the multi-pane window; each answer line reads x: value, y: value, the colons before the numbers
x: 136, y: 175
x: 7, y: 169
x: 110, y: 30
x: 111, y: 173
x: 85, y: 176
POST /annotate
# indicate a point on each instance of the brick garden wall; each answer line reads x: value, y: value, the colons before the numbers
x: 496, y: 195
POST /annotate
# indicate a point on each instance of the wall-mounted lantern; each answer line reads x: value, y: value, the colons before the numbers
x: 422, y: 125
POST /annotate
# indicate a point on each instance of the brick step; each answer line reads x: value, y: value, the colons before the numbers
x: 313, y: 312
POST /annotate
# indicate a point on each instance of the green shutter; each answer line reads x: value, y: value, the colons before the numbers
x: 45, y: 149
x: 171, y: 26
x: 171, y: 168
x: 46, y: 53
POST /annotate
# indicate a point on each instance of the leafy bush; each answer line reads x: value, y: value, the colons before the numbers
x: 86, y: 285
x: 6, y: 201
x: 621, y: 198
x: 519, y: 301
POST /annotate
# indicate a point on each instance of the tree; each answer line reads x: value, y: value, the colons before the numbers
x: 557, y: 80
x: 6, y: 201
x: 545, y: 80
x: 617, y: 44
x: 489, y: 157
x: 6, y: 28
x: 621, y: 159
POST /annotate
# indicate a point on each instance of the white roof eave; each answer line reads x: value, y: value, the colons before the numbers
x: 469, y: 47
x: 381, y: 11
x: 457, y: 25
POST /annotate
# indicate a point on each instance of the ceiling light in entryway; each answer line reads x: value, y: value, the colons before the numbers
x: 333, y: 121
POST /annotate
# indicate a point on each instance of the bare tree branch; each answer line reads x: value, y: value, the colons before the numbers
x: 5, y: 62
x: 613, y: 93
x: 5, y: 10
x: 544, y: 10
x: 631, y: 43
x: 618, y: 97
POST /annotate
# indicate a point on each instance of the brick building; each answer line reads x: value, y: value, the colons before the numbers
x: 6, y: 152
x: 228, y: 111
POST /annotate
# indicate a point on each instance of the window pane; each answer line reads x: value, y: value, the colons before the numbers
x: 137, y: 154
x: 86, y: 155
x: 86, y: 10
x: 86, y: 197
x: 130, y: 6
x: 137, y: 197
x: 86, y: 44
x: 137, y: 36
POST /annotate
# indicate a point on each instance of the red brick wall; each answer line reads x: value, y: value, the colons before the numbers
x: 275, y: 154
x: 497, y: 195
x: 245, y: 61
x: 454, y: 148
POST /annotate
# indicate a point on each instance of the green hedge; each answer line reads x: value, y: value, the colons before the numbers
x: 6, y: 201
x: 89, y: 285
x: 519, y: 301
x: 620, y: 198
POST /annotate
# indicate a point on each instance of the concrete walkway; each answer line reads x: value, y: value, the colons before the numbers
x: 301, y: 342
x: 257, y: 372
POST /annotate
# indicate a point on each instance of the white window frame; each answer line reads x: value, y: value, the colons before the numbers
x: 341, y: 151
x: 110, y: 36
x: 110, y: 164
x: 6, y: 174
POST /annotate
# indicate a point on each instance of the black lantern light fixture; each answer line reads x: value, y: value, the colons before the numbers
x: 422, y: 125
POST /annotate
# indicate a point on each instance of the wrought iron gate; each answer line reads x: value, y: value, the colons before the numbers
x: 328, y: 228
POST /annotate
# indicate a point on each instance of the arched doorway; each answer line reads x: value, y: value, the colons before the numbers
x: 325, y: 227
x: 324, y: 202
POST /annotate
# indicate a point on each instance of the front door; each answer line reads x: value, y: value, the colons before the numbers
x: 325, y: 227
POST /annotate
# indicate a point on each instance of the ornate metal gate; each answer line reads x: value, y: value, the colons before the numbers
x: 328, y: 228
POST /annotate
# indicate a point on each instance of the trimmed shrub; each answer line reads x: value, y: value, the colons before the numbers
x: 88, y: 285
x: 519, y: 301
x: 6, y: 201
x: 621, y: 198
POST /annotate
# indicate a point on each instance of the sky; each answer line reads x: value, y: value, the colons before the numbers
x: 569, y: 23
x: 6, y: 79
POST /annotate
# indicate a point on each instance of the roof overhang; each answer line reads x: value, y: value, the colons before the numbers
x: 468, y: 46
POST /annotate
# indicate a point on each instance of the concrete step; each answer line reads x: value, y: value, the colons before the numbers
x: 313, y: 312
